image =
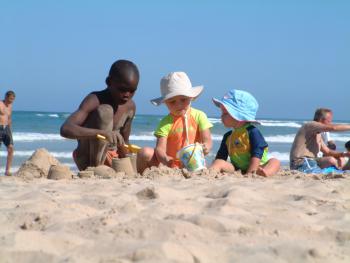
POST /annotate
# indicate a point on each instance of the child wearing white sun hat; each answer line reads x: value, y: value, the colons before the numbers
x: 183, y: 125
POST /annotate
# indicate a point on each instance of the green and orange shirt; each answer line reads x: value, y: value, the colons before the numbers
x: 174, y: 128
x: 241, y: 145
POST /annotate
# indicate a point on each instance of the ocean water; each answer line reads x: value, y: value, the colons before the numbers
x: 33, y: 130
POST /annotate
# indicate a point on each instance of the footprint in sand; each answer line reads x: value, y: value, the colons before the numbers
x: 147, y: 193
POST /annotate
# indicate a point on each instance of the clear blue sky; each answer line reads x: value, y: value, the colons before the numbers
x: 293, y: 56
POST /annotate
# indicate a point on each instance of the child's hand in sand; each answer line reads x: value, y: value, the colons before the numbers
x: 205, y: 149
x: 169, y: 161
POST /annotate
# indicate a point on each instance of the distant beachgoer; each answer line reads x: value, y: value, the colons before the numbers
x: 347, y: 146
x: 308, y: 145
x: 347, y: 159
x: 6, y: 127
x: 109, y: 113
x: 245, y: 145
x: 183, y: 126
x: 325, y: 116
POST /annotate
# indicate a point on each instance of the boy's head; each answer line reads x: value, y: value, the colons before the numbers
x: 238, y: 107
x: 122, y: 80
x: 177, y: 92
x: 347, y: 146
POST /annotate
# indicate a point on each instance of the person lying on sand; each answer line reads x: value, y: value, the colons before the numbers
x: 309, y: 150
x: 183, y: 126
x: 108, y: 113
x: 245, y: 145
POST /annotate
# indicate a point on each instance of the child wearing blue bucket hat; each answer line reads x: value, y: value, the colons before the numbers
x: 244, y: 145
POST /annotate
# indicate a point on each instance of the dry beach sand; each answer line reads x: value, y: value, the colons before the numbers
x: 171, y: 216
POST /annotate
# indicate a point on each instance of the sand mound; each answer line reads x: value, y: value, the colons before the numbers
x: 58, y: 172
x: 38, y: 165
x: 171, y: 215
x: 106, y: 172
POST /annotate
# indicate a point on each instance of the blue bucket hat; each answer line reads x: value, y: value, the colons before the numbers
x: 240, y: 104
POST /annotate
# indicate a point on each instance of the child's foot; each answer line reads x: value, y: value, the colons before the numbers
x: 8, y: 173
x: 261, y: 171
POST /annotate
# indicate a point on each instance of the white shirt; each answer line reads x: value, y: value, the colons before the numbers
x: 326, y: 137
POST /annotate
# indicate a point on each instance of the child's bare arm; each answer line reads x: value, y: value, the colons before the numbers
x: 206, y: 140
x: 161, y: 151
x: 254, y: 165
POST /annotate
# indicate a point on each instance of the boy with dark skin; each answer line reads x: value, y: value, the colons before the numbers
x: 108, y: 113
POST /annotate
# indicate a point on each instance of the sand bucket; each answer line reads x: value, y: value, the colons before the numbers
x: 192, y: 157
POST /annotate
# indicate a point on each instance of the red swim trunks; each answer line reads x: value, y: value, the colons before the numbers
x: 109, y: 156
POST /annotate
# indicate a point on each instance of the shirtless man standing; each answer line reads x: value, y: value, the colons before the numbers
x: 109, y: 113
x: 5, y: 127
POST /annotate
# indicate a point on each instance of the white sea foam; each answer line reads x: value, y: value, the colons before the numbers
x: 216, y: 137
x: 52, y: 115
x: 277, y: 123
x: 214, y: 120
x: 35, y: 136
x: 340, y: 137
x: 288, y: 138
x: 63, y: 155
x: 283, y: 157
x: 143, y: 137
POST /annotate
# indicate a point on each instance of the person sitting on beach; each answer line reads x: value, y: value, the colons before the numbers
x: 325, y: 116
x: 309, y: 151
x: 244, y: 145
x: 5, y: 127
x: 108, y: 113
x: 347, y: 159
x: 183, y: 126
x: 347, y: 146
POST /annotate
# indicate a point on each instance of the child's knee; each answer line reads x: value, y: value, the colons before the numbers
x: 275, y: 162
x: 146, y: 153
x: 333, y: 161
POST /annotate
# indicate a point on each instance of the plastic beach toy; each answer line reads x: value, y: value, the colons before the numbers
x: 131, y: 147
x: 192, y: 157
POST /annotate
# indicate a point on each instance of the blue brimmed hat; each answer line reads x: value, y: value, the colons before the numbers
x: 240, y: 104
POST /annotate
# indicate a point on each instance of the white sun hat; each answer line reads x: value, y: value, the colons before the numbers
x: 176, y: 84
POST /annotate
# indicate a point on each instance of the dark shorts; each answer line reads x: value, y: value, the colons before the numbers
x: 5, y: 135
